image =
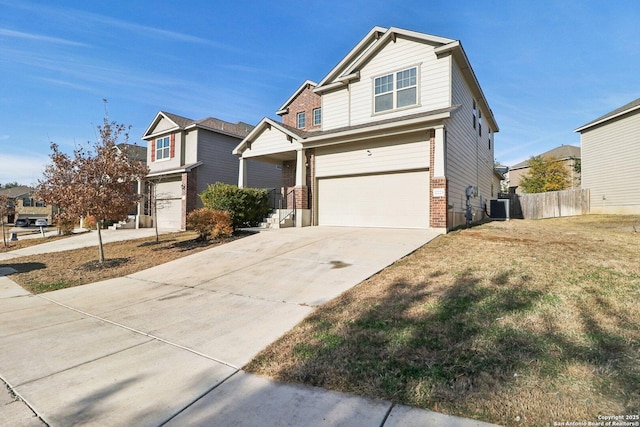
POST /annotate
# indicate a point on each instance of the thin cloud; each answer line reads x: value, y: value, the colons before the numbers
x: 38, y: 37
x: 24, y: 169
x: 109, y: 23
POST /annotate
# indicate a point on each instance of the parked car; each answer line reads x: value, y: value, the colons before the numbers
x: 22, y: 222
x: 42, y: 222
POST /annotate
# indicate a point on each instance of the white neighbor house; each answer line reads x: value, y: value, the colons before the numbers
x: 610, y: 147
x: 398, y: 134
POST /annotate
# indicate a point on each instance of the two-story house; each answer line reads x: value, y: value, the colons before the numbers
x: 25, y: 204
x: 610, y: 147
x: 185, y: 156
x: 397, y: 134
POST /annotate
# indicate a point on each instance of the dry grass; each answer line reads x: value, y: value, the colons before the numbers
x: 22, y: 242
x: 516, y: 323
x: 48, y: 272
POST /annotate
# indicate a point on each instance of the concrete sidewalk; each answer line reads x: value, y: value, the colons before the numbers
x: 80, y: 240
x: 165, y: 346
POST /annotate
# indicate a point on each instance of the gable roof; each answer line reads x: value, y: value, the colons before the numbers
x: 135, y: 152
x: 563, y: 152
x: 284, y: 108
x: 627, y: 108
x: 239, y: 129
x: 267, y: 123
x: 348, y: 68
x: 18, y: 191
x: 315, y: 138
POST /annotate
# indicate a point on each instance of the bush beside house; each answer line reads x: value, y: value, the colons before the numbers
x: 210, y: 223
x: 246, y: 206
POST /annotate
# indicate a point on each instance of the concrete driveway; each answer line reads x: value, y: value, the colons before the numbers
x: 166, y: 345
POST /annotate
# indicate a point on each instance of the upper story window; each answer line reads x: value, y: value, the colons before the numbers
x: 475, y: 114
x: 27, y: 202
x: 40, y: 204
x: 479, y: 123
x: 301, y: 120
x: 317, y: 116
x: 163, y: 150
x: 396, y: 90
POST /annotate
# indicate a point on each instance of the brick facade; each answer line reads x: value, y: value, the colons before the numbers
x: 438, y: 210
x: 306, y: 102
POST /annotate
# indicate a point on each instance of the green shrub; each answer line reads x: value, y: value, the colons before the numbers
x: 210, y: 223
x: 246, y: 206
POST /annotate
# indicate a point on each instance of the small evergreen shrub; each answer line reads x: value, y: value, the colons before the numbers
x: 246, y: 206
x: 210, y: 223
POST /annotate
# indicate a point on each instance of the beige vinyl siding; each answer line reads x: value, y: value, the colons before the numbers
x: 380, y: 200
x: 163, y: 125
x: 335, y: 109
x: 433, y: 81
x: 166, y: 164
x: 190, y: 155
x: 270, y: 141
x: 469, y: 159
x: 385, y: 155
x: 610, y: 155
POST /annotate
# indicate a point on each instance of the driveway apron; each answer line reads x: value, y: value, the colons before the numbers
x: 143, y: 349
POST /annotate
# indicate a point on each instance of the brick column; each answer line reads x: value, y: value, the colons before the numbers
x: 438, y: 212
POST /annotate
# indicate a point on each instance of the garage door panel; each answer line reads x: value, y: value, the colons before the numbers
x: 378, y: 200
x: 169, y: 213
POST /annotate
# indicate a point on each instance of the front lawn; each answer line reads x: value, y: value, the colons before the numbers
x: 516, y: 323
x: 48, y: 272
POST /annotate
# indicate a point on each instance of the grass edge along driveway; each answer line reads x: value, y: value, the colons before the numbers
x: 516, y: 323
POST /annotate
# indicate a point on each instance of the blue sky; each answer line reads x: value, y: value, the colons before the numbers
x: 546, y: 67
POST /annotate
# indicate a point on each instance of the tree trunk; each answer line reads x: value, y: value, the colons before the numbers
x: 4, y: 236
x: 100, y: 248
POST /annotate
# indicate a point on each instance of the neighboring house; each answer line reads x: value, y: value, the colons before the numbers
x: 24, y: 204
x: 567, y: 154
x: 398, y: 134
x: 610, y: 157
x: 185, y: 156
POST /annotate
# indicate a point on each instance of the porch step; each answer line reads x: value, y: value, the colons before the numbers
x: 273, y: 221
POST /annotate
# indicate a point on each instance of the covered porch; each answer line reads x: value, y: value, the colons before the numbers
x: 272, y: 142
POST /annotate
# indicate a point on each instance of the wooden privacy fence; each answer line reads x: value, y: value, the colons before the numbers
x: 553, y: 204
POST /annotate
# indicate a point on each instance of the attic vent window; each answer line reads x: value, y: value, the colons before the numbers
x: 396, y: 90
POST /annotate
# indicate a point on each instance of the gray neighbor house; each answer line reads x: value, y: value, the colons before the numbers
x: 185, y: 156
x: 610, y: 156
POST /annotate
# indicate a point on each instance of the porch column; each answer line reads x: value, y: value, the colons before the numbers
x: 301, y: 169
x: 438, y: 153
x: 242, y: 173
x: 303, y: 214
x: 140, y: 202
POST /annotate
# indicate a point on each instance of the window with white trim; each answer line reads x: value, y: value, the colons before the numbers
x: 163, y: 148
x: 475, y: 114
x: 396, y: 90
x: 317, y: 116
x: 302, y: 120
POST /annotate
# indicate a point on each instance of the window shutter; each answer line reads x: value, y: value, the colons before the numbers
x: 173, y: 145
x: 153, y: 151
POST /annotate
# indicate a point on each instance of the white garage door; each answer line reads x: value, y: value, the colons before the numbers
x: 381, y: 200
x: 169, y: 214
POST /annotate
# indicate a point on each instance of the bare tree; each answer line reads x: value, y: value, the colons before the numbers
x: 4, y: 209
x: 99, y: 181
